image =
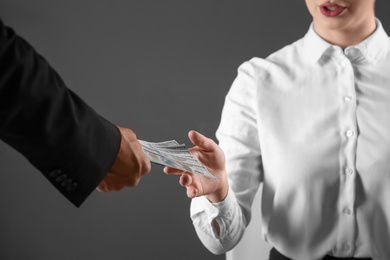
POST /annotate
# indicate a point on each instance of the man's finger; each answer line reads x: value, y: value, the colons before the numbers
x: 111, y: 183
x: 103, y: 187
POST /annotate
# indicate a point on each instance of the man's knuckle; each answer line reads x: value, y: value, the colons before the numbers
x: 133, y: 181
x: 146, y: 167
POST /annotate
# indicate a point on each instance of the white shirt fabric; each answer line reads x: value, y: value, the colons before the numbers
x: 311, y: 123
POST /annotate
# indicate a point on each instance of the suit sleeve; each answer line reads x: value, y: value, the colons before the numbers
x: 52, y: 127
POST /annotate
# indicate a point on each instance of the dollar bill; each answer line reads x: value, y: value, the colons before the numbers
x: 159, y: 144
x: 178, y: 152
x: 175, y: 155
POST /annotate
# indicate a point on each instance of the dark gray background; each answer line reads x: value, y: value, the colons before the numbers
x: 158, y: 67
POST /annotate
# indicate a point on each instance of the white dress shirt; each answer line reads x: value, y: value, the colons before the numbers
x: 311, y: 123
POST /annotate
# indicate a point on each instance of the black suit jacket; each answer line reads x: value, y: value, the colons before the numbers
x: 52, y: 127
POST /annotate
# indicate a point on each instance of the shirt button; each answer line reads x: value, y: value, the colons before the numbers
x: 71, y: 187
x: 347, y: 98
x: 344, y: 63
x: 347, y: 211
x: 66, y: 182
x: 349, y: 133
x: 346, y: 247
x: 55, y: 173
x: 61, y: 178
x: 349, y: 171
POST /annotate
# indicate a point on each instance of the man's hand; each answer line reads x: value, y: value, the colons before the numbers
x: 211, y: 155
x: 129, y: 166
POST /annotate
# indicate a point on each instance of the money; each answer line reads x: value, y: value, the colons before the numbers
x: 175, y: 155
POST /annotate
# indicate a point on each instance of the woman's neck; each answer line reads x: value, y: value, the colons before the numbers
x: 348, y: 36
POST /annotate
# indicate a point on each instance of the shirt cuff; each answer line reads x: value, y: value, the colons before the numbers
x: 226, y: 205
x: 212, y: 210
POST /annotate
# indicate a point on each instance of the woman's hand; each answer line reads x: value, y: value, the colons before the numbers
x: 210, y: 155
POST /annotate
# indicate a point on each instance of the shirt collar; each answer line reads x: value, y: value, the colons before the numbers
x: 314, y: 45
x: 372, y: 48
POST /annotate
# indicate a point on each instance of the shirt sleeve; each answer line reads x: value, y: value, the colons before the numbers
x: 238, y: 138
x: 229, y: 218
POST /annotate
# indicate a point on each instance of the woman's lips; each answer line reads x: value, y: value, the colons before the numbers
x: 331, y: 9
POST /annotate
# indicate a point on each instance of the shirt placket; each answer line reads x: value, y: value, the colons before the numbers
x: 349, y: 133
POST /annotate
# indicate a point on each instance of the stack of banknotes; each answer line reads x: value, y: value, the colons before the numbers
x: 174, y: 155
